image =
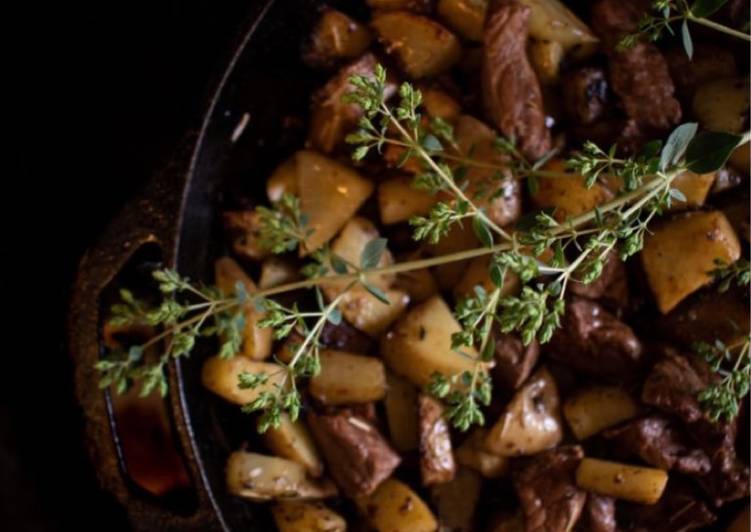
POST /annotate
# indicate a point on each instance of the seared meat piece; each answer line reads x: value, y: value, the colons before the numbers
x: 708, y: 62
x: 593, y: 341
x: 356, y: 454
x: 514, y: 361
x: 611, y: 286
x: 673, y: 386
x: 598, y: 515
x: 680, y: 509
x: 585, y: 93
x: 344, y: 337
x: 638, y: 75
x: 707, y: 316
x: 510, y: 90
x: 674, y: 383
x: 547, y: 491
x: 243, y: 228
x: 660, y: 443
x: 437, y: 463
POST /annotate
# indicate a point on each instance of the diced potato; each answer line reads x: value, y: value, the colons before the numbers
x: 330, y: 194
x: 395, y: 507
x: 545, y: 57
x: 477, y: 273
x: 465, y: 17
x: 358, y: 306
x: 568, y: 195
x: 423, y: 47
x: 335, y: 37
x: 347, y: 378
x: 398, y: 201
x: 260, y: 478
x: 459, y: 238
x: 741, y: 158
x: 302, y: 516
x: 679, y: 252
x: 622, y: 481
x: 420, y: 344
x: 436, y: 103
x: 493, y: 186
x: 531, y: 422
x: 401, y: 413
x: 276, y: 271
x: 508, y: 523
x: 472, y: 453
x: 455, y: 501
x: 257, y: 341
x: 723, y: 104
x: 221, y: 376
x: 293, y: 442
x: 550, y: 20
x: 741, y: 522
x: 590, y: 411
x: 419, y: 284
x: 284, y: 180
x: 694, y: 186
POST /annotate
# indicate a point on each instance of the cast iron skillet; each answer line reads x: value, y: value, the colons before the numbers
x: 176, y: 215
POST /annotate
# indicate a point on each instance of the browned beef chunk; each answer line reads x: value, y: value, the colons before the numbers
x: 585, y: 95
x: 356, y: 454
x: 673, y: 386
x: 707, y: 316
x: 547, y: 491
x: 708, y: 62
x: 344, y: 337
x: 679, y: 509
x: 638, y: 75
x: 598, y: 515
x: 674, y: 383
x: 514, y: 361
x: 510, y: 90
x: 593, y: 341
x: 661, y: 443
x: 611, y: 287
x: 243, y: 228
x: 437, y: 463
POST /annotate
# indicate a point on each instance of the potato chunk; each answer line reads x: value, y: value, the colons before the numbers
x: 679, y: 252
x: 590, y: 411
x: 260, y: 478
x: 256, y: 340
x: 293, y: 441
x: 723, y: 104
x: 401, y: 413
x: 622, y: 481
x: 694, y: 186
x: 472, y: 453
x: 347, y: 378
x: 330, y: 194
x: 568, y: 195
x: 420, y: 344
x: 221, y: 376
x: 398, y: 201
x: 302, y: 516
x: 336, y: 37
x: 422, y: 46
x: 550, y: 20
x: 284, y: 180
x: 531, y: 422
x: 456, y: 500
x: 394, y: 506
x: 465, y: 17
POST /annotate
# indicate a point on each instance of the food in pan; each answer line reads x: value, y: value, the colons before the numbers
x: 504, y: 284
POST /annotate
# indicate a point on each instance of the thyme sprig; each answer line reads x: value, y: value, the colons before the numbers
x: 722, y: 399
x: 726, y: 274
x: 654, y: 25
x: 579, y: 246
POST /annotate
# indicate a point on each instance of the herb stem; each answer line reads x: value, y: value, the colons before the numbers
x: 719, y: 27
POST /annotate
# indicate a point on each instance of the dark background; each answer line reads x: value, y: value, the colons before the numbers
x: 100, y: 95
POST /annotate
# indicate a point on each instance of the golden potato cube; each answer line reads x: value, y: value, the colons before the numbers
x: 545, y: 57
x: 221, y: 376
x: 395, y: 507
x: 420, y: 344
x: 679, y: 253
x: 472, y: 453
x: 398, y: 201
x: 347, y: 378
x: 622, y: 481
x: 284, y: 180
x: 293, y: 441
x: 456, y: 500
x: 568, y: 195
x: 401, y: 413
x: 694, y: 186
x: 590, y: 411
x: 302, y: 516
x: 465, y: 17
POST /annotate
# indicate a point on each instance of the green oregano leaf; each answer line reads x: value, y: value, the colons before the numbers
x: 371, y: 253
x: 710, y: 150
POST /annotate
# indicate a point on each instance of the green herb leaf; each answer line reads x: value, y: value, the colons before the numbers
x: 482, y: 231
x: 377, y: 293
x: 704, y: 8
x: 676, y: 144
x: 371, y: 253
x: 710, y: 150
x: 688, y: 44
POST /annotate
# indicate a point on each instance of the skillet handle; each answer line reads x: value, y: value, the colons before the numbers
x: 152, y: 218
